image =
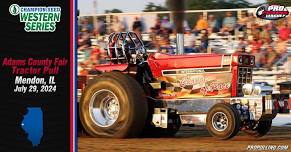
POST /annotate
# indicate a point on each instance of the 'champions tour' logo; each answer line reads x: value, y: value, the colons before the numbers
x: 271, y: 12
x: 37, y: 19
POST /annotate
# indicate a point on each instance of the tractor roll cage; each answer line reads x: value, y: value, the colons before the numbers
x: 122, y: 47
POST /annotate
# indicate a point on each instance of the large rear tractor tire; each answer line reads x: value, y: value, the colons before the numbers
x: 113, y: 105
x: 223, y: 121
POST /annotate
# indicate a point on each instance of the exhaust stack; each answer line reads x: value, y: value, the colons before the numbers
x: 177, y: 8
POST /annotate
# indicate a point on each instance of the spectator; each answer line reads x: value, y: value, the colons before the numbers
x: 153, y: 37
x: 272, y: 27
x: 213, y: 24
x: 86, y: 25
x: 117, y: 25
x: 255, y: 31
x: 166, y: 24
x: 270, y: 57
x: 99, y: 28
x: 95, y: 55
x: 256, y: 51
x: 242, y: 22
x: 201, y: 24
x: 83, y: 46
x: 79, y: 39
x: 157, y: 26
x: 186, y: 25
x: 242, y: 44
x: 204, y: 41
x: 281, y: 46
x: 228, y: 23
x: 137, y: 25
x: 189, y: 41
x: 250, y: 23
x: 284, y: 32
x: 165, y: 46
x: 265, y: 34
x: 103, y: 57
x: 85, y: 36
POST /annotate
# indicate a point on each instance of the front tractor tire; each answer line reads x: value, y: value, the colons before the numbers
x: 113, y: 105
x: 263, y: 127
x: 223, y: 121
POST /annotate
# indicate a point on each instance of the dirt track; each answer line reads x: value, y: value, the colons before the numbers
x: 187, y: 139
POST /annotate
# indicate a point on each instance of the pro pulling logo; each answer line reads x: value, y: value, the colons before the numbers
x: 271, y: 12
x: 37, y: 19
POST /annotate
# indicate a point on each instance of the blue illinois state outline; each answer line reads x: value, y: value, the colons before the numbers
x: 32, y: 124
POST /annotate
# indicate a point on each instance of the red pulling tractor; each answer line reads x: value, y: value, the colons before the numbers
x: 155, y: 94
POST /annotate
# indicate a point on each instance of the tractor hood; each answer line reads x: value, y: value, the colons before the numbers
x: 159, y: 61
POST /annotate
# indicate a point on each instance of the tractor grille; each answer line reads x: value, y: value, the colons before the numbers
x: 244, y: 76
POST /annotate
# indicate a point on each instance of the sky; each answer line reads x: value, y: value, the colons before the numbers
x: 86, y: 6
